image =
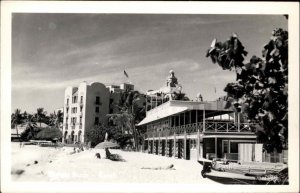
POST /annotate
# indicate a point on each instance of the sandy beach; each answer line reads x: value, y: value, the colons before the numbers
x: 58, y: 165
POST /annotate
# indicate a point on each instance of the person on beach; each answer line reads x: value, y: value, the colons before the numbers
x: 170, y: 167
x: 98, y: 156
x: 73, y: 152
x: 107, y: 153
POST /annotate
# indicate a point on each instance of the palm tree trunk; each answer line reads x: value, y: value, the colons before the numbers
x: 17, y: 131
x: 134, y: 135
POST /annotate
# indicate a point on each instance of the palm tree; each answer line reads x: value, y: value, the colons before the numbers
x: 16, y: 119
x: 133, y: 111
x: 59, y: 118
x: 40, y: 116
x: 56, y: 119
x: 122, y: 120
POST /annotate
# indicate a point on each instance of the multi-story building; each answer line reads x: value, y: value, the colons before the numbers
x: 88, y: 105
x: 192, y: 129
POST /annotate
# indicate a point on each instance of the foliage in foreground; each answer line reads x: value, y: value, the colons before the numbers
x: 260, y: 92
x: 131, y: 112
x: 96, y: 134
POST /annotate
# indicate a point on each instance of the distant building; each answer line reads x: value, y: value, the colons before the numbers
x: 88, y: 105
x: 192, y: 129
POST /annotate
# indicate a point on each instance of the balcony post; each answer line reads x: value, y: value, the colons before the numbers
x: 238, y: 120
x: 203, y: 120
x: 227, y: 126
x: 174, y: 144
x: 198, y: 143
x: 159, y: 142
x: 216, y: 149
x: 216, y: 126
x: 184, y: 144
x: 148, y: 149
x: 153, y: 144
x: 166, y: 144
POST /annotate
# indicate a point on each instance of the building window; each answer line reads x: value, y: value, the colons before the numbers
x: 97, y: 109
x: 97, y: 100
x: 80, y: 109
x: 74, y: 110
x: 96, y: 120
x: 81, y: 99
x: 75, y: 99
x: 73, y: 120
x: 80, y: 121
x: 67, y: 101
x: 111, y: 101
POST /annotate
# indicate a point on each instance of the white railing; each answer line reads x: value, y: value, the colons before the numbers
x: 220, y: 127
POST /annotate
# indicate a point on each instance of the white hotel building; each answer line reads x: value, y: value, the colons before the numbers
x: 88, y: 105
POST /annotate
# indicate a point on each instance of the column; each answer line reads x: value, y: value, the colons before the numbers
x: 216, y: 147
x: 184, y: 145
x: 198, y: 143
x: 203, y: 120
x: 184, y: 137
x: 166, y: 147
x: 159, y: 142
x: 174, y: 144
x: 238, y: 121
x: 152, y: 145
x: 149, y: 148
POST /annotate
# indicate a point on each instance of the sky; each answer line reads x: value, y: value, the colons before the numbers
x: 51, y: 51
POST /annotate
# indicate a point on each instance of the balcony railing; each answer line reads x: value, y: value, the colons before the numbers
x: 210, y: 127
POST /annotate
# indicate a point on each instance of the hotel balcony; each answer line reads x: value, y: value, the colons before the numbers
x: 208, y: 127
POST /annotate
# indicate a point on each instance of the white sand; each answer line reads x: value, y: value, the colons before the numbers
x: 84, y: 167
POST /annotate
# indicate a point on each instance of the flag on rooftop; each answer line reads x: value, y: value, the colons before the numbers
x: 125, y: 73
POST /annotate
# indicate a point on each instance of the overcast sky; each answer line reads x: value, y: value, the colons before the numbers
x: 53, y: 51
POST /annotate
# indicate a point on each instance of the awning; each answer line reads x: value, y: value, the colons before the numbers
x: 162, y: 113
